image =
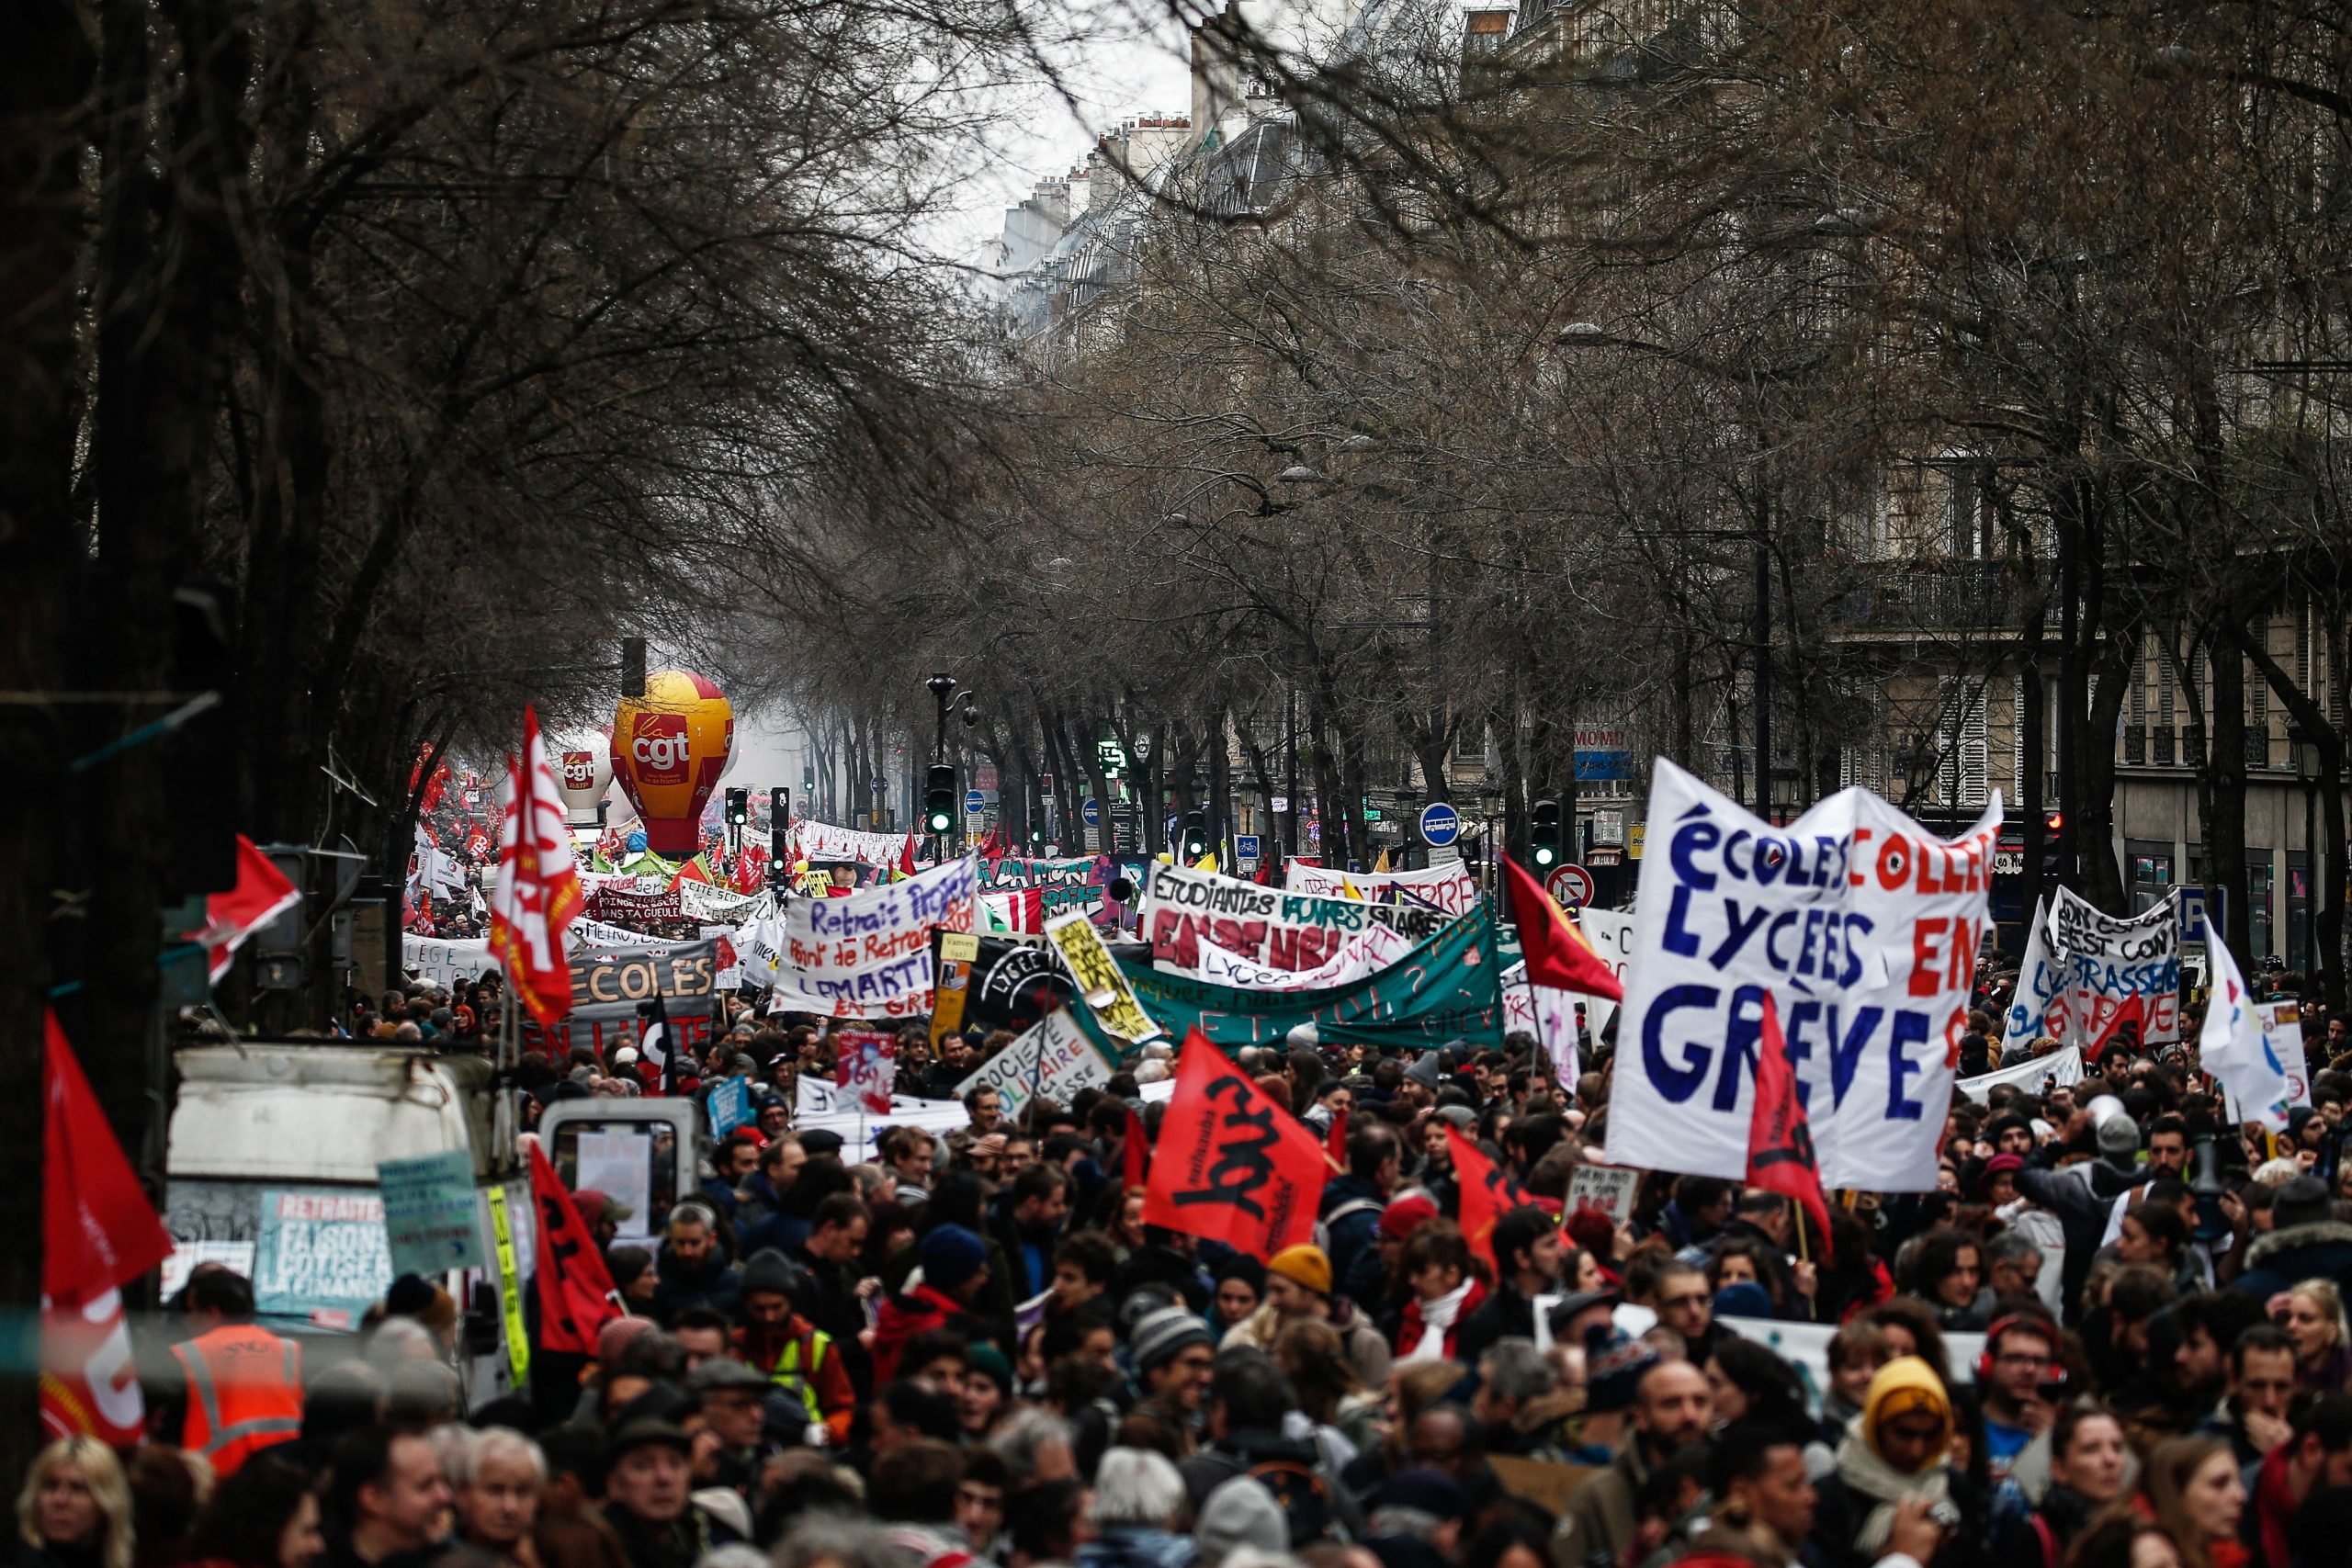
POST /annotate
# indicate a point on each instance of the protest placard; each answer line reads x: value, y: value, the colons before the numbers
x: 1365, y: 953
x: 1100, y: 982
x: 868, y: 956
x: 1609, y: 1188
x: 607, y: 984
x: 813, y: 1096
x: 1054, y: 1060
x: 322, y: 1255
x: 430, y: 1224
x: 729, y: 1105
x: 865, y: 1065
x: 1864, y: 927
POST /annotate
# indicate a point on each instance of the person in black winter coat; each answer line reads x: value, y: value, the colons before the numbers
x: 692, y: 1270
x: 2083, y: 1195
x: 1527, y: 1245
x: 2306, y: 1242
x: 1353, y: 1205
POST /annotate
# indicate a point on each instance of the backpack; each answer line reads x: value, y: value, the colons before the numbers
x: 1305, y: 1501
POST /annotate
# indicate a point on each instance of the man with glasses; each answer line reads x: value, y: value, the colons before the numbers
x: 2021, y: 1351
x: 1685, y: 1306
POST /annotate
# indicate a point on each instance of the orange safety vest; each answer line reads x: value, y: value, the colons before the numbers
x: 244, y: 1394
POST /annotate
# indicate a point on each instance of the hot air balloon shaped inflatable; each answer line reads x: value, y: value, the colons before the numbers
x: 669, y: 748
x: 583, y: 768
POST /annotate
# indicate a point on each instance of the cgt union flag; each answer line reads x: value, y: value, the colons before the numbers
x: 539, y: 883
x: 1486, y: 1193
x: 576, y: 1294
x: 1229, y: 1164
x: 1780, y: 1144
x: 100, y: 1233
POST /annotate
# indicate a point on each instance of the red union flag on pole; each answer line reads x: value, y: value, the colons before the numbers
x: 1231, y: 1165
x: 575, y: 1289
x: 539, y: 883
x: 1779, y: 1144
x: 100, y: 1233
x: 1557, y: 953
x: 1486, y: 1193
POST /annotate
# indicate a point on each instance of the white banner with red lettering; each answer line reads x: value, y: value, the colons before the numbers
x: 820, y: 840
x: 1453, y: 888
x: 1864, y: 927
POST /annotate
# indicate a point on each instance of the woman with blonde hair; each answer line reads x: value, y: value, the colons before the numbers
x: 75, y: 1509
x: 2312, y: 1314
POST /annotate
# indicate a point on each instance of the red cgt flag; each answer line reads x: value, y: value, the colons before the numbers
x: 1487, y: 1194
x: 1779, y: 1141
x: 1135, y: 1159
x: 1237, y: 1168
x: 261, y: 894
x: 1335, y: 1142
x: 1557, y: 953
x: 576, y: 1295
x: 100, y: 1232
x: 538, y: 885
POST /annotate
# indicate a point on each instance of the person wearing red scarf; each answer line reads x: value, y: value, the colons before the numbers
x: 2318, y: 1453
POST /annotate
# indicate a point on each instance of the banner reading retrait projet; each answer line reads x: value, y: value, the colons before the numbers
x: 1865, y: 928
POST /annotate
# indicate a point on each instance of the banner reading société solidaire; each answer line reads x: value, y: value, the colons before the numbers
x: 1862, y: 924
x: 1185, y: 910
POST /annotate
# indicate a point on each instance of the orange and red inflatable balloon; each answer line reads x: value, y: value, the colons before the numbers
x: 669, y: 748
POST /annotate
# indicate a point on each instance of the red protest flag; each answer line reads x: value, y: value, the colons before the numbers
x: 1557, y: 953
x: 1779, y: 1141
x: 1335, y: 1142
x: 1239, y: 1168
x: 907, y: 857
x: 538, y: 892
x: 100, y: 1234
x: 1487, y: 1194
x: 576, y: 1294
x: 1136, y: 1159
x: 260, y: 896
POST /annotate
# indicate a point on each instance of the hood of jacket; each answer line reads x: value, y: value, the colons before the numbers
x: 2332, y: 1236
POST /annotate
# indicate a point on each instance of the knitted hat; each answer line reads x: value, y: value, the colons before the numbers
x: 1745, y: 1298
x: 1244, y: 1268
x: 990, y: 1362
x: 2002, y: 1123
x: 951, y: 1256
x: 2000, y: 1163
x: 1424, y: 1070
x: 2119, y: 1136
x: 770, y: 1270
x: 1614, y: 1366
x: 2302, y: 1201
x: 1303, y: 1265
x: 1163, y: 1334
x: 1238, y: 1513
x: 1405, y: 1215
x: 1905, y: 1385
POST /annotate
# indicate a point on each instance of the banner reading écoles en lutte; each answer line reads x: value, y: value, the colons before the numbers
x: 1865, y: 928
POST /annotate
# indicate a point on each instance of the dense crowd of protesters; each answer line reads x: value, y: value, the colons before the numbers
x: 968, y: 1350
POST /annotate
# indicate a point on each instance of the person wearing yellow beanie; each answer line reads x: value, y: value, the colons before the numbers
x: 1303, y: 1266
x: 1298, y: 1286
x: 1893, y: 1453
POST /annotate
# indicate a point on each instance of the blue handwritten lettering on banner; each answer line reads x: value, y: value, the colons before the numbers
x: 1864, y: 926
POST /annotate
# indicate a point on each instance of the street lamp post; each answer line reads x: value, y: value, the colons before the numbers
x: 2306, y: 755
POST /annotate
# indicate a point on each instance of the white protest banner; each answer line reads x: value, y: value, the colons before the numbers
x: 814, y: 1096
x: 821, y: 841
x: 868, y: 956
x: 861, y: 1134
x: 1864, y: 926
x: 2118, y: 979
x: 1450, y: 887
x: 1549, y: 1014
x: 1364, y: 953
x: 1606, y: 1188
x: 2038, y: 978
x: 1054, y: 1060
x: 1185, y: 911
x: 2060, y: 1068
x: 446, y: 961
x: 1611, y: 932
x: 2254, y: 1050
x: 702, y: 901
x: 2282, y: 1025
x: 1805, y: 1346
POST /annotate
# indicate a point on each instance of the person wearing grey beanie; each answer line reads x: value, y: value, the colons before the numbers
x: 1172, y: 1354
x: 1240, y: 1512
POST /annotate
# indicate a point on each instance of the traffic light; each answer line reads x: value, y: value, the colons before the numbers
x: 2053, y: 867
x: 1197, y: 836
x: 939, y: 800
x: 738, y: 807
x: 1543, y: 834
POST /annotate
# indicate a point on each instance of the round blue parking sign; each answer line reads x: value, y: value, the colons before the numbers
x: 1092, y: 813
x: 1440, y: 824
x: 975, y: 803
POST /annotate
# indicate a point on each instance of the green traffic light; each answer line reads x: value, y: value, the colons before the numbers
x: 1544, y: 855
